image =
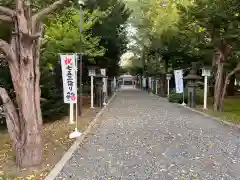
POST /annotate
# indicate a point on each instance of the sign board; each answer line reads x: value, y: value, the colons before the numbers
x: 144, y: 82
x: 206, y: 72
x: 169, y: 76
x: 150, y: 82
x: 103, y: 72
x: 91, y: 72
x: 68, y: 64
x: 178, y: 74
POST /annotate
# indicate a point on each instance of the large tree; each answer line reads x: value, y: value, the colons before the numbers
x: 22, y: 53
x: 112, y: 31
x: 219, y: 21
x: 203, y: 31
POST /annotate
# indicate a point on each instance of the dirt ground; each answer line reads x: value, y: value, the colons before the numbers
x: 56, y: 143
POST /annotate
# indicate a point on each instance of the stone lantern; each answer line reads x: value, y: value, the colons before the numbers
x: 110, y: 87
x: 99, y: 98
x: 192, y: 79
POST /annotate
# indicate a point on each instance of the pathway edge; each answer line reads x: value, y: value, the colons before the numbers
x: 204, y: 114
x: 212, y: 117
x: 59, y: 166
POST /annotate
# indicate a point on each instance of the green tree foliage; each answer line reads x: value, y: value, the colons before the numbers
x: 62, y: 35
x: 219, y: 23
x: 102, y: 41
x: 191, y: 31
x: 111, y: 29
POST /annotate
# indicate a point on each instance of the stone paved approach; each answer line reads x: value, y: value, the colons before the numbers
x: 143, y: 137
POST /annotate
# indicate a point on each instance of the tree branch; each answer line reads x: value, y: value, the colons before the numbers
x: 31, y: 37
x: 5, y: 18
x: 38, y: 16
x: 5, y: 47
x: 11, y: 115
x: 7, y: 11
x: 236, y: 69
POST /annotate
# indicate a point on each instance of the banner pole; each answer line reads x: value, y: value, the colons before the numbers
x: 71, y: 121
x: 75, y: 133
x: 76, y: 70
x: 183, y: 103
x: 92, y: 103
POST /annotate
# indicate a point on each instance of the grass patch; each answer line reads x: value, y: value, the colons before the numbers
x: 231, y: 111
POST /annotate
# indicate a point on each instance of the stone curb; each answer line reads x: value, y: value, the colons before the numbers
x: 203, y: 114
x: 58, y: 167
x: 212, y: 117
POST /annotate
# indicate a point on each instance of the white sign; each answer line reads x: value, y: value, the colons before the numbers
x: 144, y: 82
x: 179, y: 80
x: 150, y: 82
x: 103, y: 72
x: 206, y: 72
x: 68, y: 63
x: 91, y: 72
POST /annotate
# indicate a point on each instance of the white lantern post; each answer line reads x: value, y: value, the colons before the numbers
x: 157, y: 79
x: 92, y: 73
x: 206, y: 72
x: 150, y: 84
x: 103, y: 72
x: 168, y: 76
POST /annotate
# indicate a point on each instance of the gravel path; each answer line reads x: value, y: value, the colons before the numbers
x: 143, y: 137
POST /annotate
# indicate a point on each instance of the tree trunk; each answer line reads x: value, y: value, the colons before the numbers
x: 29, y: 148
x: 25, y: 124
x: 162, y: 87
x: 166, y: 66
x: 223, y: 54
x: 231, y: 86
x: 218, y: 87
x: 230, y: 76
x: 221, y: 103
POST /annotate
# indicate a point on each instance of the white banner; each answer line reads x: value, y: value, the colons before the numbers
x: 103, y: 72
x: 178, y: 74
x: 68, y: 63
x: 114, y: 83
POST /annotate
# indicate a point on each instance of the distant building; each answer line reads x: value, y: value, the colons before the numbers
x: 127, y: 79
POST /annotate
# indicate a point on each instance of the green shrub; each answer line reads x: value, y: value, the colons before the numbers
x: 52, y: 106
x: 199, y: 96
x: 178, y: 97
